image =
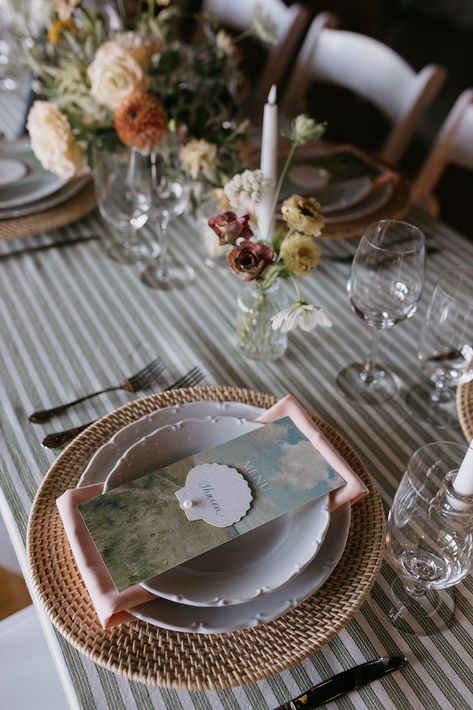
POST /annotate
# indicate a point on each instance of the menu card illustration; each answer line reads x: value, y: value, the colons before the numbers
x: 153, y: 524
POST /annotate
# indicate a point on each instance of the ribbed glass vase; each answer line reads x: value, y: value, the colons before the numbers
x: 254, y: 333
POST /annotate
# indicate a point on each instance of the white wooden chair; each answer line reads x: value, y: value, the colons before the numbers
x: 28, y: 678
x: 291, y: 23
x: 370, y: 69
x: 453, y: 144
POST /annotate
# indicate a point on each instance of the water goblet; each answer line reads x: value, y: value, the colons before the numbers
x: 162, y: 193
x: 384, y: 287
x: 445, y: 348
x: 117, y: 202
x: 429, y: 539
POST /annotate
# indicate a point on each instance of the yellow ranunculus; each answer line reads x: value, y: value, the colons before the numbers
x: 302, y: 214
x: 300, y: 254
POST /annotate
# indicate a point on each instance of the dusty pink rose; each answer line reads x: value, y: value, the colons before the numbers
x: 228, y: 227
x: 250, y: 259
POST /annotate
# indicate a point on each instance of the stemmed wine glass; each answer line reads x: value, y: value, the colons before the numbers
x: 445, y: 348
x: 162, y: 192
x: 429, y: 539
x: 385, y: 284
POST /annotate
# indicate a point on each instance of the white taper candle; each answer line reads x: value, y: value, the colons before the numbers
x: 463, y: 481
x: 269, y: 164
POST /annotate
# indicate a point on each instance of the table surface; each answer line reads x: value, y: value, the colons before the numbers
x: 72, y: 321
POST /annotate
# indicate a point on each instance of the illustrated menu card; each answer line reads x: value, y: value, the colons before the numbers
x: 152, y: 524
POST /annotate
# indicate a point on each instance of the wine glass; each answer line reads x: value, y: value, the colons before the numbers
x: 162, y: 193
x: 385, y: 284
x: 445, y: 348
x: 117, y: 202
x: 429, y: 539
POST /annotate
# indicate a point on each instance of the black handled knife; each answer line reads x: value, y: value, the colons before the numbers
x: 345, y: 682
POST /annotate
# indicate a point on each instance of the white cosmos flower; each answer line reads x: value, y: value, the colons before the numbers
x: 300, y: 315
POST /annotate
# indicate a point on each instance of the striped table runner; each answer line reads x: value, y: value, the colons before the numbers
x: 73, y: 321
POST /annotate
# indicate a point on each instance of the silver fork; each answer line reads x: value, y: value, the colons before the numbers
x: 135, y: 383
x: 58, y: 439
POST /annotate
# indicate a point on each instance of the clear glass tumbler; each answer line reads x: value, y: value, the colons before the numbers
x: 117, y: 203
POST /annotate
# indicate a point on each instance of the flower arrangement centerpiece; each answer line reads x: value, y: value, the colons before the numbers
x: 126, y: 87
x: 263, y: 255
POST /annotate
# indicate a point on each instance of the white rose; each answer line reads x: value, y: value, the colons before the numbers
x: 52, y: 140
x: 115, y: 74
x: 199, y: 156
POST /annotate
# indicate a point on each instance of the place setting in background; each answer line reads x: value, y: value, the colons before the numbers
x: 27, y: 188
x: 352, y: 187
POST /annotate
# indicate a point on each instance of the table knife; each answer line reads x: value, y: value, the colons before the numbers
x: 48, y: 245
x: 345, y: 682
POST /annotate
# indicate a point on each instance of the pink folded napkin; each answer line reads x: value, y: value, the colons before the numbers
x: 290, y: 407
x: 109, y: 603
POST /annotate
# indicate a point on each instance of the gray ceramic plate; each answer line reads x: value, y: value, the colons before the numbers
x: 37, y: 182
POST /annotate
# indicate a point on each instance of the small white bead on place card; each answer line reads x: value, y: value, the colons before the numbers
x: 215, y: 493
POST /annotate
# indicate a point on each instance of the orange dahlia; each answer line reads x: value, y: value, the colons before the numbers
x: 140, y: 121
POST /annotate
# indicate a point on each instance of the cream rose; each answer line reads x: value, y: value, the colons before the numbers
x: 115, y: 74
x: 199, y: 157
x: 52, y: 140
x: 140, y: 47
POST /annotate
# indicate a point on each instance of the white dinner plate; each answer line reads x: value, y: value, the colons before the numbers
x: 37, y: 182
x: 334, y: 195
x: 207, y: 620
x: 108, y: 455
x: 46, y: 203
x: 375, y: 200
x: 244, y: 568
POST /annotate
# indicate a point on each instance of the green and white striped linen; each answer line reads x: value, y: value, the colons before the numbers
x: 73, y: 321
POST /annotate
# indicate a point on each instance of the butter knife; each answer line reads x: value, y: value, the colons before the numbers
x: 345, y: 682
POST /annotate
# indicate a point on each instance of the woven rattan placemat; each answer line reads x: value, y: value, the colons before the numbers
x: 465, y: 408
x: 151, y: 655
x: 70, y: 211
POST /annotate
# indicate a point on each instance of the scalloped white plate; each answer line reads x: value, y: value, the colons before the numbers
x: 244, y: 568
x: 108, y: 455
x: 211, y: 620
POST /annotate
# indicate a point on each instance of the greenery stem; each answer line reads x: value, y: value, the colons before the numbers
x: 296, y: 286
x: 243, y: 35
x: 281, y: 178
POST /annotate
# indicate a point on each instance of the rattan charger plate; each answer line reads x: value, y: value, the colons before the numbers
x: 66, y: 213
x: 465, y: 408
x: 145, y: 653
